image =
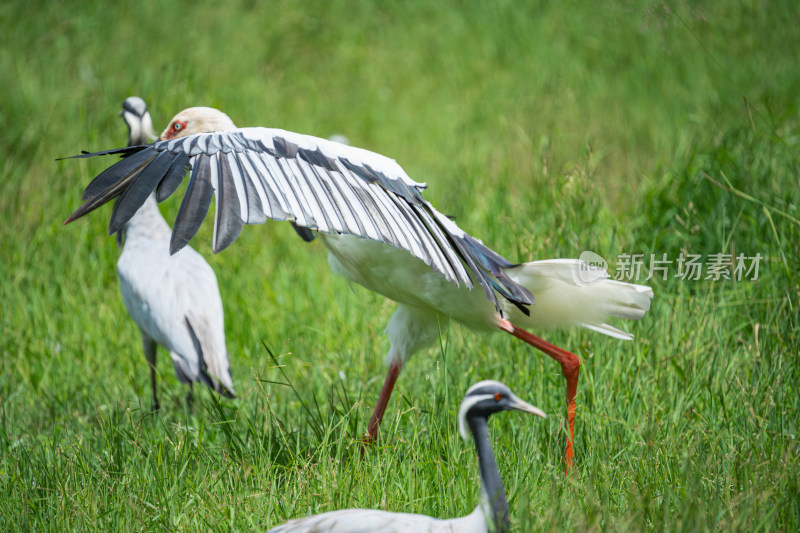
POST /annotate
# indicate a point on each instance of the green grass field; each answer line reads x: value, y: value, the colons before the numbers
x: 546, y: 129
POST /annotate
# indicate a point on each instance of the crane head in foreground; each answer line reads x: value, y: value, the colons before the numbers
x: 379, y: 230
x: 481, y: 400
x: 174, y: 299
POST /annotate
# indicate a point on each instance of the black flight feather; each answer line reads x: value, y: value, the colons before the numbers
x: 466, y: 250
x: 124, y: 152
x: 285, y: 148
x: 316, y: 157
x: 495, y: 263
x: 106, y: 179
x: 442, y: 239
x: 260, y: 147
x: 305, y: 233
x: 396, y: 186
x: 228, y: 223
x: 358, y: 170
x: 173, y: 178
x: 137, y: 192
x: 194, y: 206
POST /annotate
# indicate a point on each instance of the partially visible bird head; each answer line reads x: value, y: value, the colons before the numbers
x: 487, y: 397
x: 197, y: 120
x: 137, y: 118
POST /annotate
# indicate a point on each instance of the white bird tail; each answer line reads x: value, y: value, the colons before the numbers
x: 569, y: 292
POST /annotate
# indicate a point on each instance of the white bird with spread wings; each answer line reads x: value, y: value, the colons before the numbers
x: 379, y: 230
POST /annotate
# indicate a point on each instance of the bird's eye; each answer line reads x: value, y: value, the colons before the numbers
x: 177, y: 126
x: 497, y: 396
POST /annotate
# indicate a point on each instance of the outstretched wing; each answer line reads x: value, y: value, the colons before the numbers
x: 258, y: 174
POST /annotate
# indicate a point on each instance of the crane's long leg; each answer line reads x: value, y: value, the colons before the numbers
x: 570, y: 367
x: 383, y: 400
x: 150, y: 347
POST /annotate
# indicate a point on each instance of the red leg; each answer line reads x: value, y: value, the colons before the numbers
x: 570, y: 366
x: 380, y: 407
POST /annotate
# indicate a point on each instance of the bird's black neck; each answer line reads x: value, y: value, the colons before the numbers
x: 490, y: 476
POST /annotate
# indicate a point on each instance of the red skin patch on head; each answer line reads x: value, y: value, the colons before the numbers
x: 175, y: 128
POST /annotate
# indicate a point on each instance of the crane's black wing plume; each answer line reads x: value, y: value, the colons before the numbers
x: 258, y: 174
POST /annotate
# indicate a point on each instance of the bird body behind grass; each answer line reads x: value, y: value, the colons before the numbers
x: 174, y: 299
x: 481, y: 400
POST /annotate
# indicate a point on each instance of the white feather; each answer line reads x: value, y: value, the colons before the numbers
x: 161, y: 290
x: 373, y: 521
x: 564, y: 298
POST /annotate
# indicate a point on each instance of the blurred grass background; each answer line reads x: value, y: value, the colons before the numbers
x: 547, y: 129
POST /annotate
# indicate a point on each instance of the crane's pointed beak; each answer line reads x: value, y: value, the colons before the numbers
x: 525, y: 407
x: 101, y: 198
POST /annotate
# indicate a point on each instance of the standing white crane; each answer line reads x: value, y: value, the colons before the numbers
x: 481, y: 400
x: 379, y: 230
x: 174, y: 299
